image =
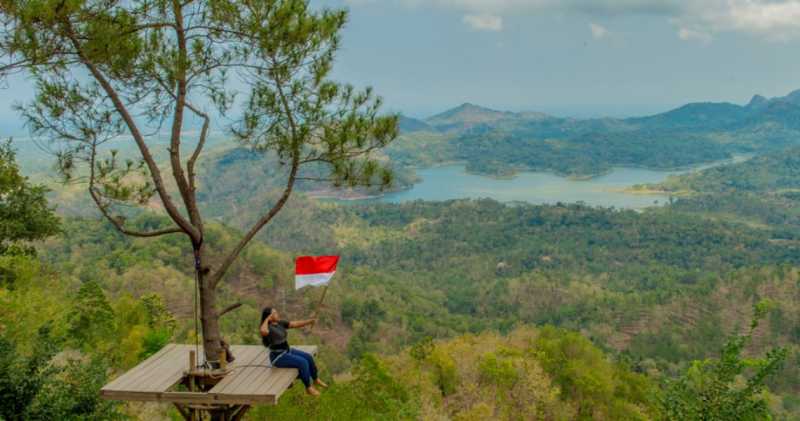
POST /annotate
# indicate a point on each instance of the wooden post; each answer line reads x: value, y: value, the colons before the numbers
x: 223, y: 360
x: 192, y: 367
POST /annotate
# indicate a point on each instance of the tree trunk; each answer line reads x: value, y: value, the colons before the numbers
x: 209, y: 320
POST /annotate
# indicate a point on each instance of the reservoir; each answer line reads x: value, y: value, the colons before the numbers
x: 453, y: 182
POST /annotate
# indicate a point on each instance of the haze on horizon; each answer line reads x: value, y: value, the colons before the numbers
x: 580, y: 58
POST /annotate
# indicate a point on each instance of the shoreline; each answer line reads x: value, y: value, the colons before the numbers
x: 635, y: 190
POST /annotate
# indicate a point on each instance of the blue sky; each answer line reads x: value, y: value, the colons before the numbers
x: 567, y: 57
x: 580, y: 57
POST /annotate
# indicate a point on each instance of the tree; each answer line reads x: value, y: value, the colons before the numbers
x: 104, y: 69
x: 24, y: 212
x: 39, y: 386
x: 91, y: 317
x: 729, y: 388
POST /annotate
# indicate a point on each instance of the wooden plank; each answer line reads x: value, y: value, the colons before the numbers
x: 264, y: 379
x: 162, y: 375
x: 245, y: 376
x: 150, y: 373
x: 120, y: 381
x: 280, y: 385
x: 248, y: 384
x: 259, y: 376
x: 243, y: 394
x: 241, y: 373
x: 140, y: 375
x: 274, y: 377
x: 249, y: 355
x: 190, y: 398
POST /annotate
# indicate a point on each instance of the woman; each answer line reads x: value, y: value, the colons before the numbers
x: 273, y: 336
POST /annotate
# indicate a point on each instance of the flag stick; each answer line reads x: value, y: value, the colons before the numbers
x: 319, y: 304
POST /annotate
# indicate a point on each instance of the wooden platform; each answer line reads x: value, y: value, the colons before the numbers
x: 250, y: 382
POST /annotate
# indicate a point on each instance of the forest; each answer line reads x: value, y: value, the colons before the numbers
x: 654, y: 295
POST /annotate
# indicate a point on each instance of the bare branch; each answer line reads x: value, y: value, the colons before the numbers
x: 228, y: 261
x: 155, y: 172
x: 177, y: 125
x: 199, y: 148
x: 117, y: 222
x: 228, y: 309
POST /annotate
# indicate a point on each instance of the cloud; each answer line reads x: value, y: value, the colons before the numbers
x: 598, y: 31
x: 770, y: 19
x: 484, y: 22
x: 694, y: 20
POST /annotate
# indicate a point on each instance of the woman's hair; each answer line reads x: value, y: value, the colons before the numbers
x: 265, y: 313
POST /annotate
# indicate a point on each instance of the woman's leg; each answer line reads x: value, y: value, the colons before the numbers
x: 312, y: 366
x: 290, y: 360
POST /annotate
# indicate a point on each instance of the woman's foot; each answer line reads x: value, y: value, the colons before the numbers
x: 320, y: 383
x: 312, y: 391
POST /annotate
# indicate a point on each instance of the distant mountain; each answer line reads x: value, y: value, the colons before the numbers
x: 702, y: 115
x: 410, y: 125
x: 467, y: 115
x: 760, y: 112
x: 503, y: 142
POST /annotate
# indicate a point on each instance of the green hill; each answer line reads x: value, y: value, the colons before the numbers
x: 501, y: 143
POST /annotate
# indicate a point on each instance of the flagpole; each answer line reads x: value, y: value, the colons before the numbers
x: 319, y: 304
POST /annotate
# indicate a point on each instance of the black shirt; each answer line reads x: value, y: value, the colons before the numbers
x: 276, y: 338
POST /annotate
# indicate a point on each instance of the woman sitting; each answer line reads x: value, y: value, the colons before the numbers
x: 281, y: 355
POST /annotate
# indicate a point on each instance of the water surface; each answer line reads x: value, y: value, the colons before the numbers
x: 453, y: 182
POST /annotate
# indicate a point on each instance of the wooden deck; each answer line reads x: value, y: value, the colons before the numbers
x: 250, y: 382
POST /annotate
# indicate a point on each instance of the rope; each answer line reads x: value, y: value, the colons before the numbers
x: 196, y: 299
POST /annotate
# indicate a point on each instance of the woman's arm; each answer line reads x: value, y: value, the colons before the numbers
x: 301, y: 323
x: 264, y: 329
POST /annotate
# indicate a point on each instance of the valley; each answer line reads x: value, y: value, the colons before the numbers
x: 656, y: 288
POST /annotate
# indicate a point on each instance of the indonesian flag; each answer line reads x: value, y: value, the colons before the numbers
x: 314, y: 270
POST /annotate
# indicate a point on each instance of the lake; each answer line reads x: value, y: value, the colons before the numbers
x: 453, y: 182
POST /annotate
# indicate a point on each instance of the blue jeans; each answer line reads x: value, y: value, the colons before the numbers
x: 295, y: 358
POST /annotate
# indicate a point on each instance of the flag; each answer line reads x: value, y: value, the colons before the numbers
x: 314, y: 270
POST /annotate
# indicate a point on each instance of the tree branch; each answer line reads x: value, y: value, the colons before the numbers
x: 187, y: 194
x: 228, y: 261
x: 197, y: 150
x: 155, y: 173
x: 228, y: 309
x: 119, y: 225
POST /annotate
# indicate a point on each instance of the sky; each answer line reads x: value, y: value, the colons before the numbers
x: 569, y: 57
x: 582, y: 58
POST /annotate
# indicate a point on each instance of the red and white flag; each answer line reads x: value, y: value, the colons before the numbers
x: 314, y: 270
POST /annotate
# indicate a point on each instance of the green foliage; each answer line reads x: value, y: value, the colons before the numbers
x: 92, y: 317
x: 444, y: 371
x: 37, y: 386
x: 22, y: 377
x: 601, y: 388
x: 369, y: 312
x: 729, y: 388
x: 72, y: 394
x: 24, y: 212
x: 372, y: 394
x: 498, y: 371
x: 769, y: 172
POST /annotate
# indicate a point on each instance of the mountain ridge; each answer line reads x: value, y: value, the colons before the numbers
x: 691, y: 114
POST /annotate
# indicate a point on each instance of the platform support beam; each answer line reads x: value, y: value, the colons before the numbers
x: 221, y: 413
